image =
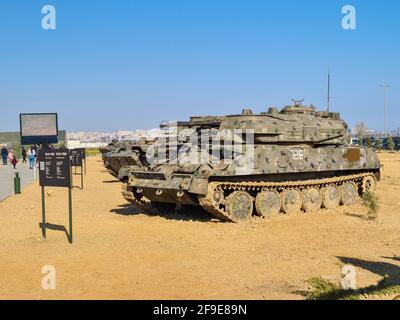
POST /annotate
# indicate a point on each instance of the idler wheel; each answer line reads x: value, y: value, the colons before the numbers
x: 330, y: 197
x: 312, y: 199
x: 291, y: 201
x: 348, y: 193
x: 239, y: 206
x: 218, y: 197
x: 268, y: 203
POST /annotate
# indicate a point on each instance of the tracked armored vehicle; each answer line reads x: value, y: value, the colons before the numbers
x: 121, y: 157
x: 124, y: 155
x: 288, y: 161
x: 114, y: 146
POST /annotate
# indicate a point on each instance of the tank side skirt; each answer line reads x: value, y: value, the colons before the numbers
x: 293, y: 176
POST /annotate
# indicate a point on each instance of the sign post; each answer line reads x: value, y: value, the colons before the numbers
x: 70, y: 214
x: 34, y: 171
x: 43, y: 214
x: 77, y: 158
x: 83, y: 156
x: 55, y: 171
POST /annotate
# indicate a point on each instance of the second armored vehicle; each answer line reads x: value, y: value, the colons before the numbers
x: 126, y: 154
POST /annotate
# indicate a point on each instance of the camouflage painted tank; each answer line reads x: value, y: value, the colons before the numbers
x: 288, y: 161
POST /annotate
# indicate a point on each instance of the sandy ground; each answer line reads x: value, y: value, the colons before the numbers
x: 120, y: 253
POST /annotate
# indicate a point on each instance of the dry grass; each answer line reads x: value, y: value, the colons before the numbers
x: 371, y: 202
x: 322, y: 289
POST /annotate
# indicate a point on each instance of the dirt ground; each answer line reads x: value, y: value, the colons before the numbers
x: 120, y: 253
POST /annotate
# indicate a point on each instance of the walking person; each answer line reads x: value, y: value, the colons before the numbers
x: 10, y: 155
x: 14, y: 161
x: 23, y: 153
x: 32, y: 157
x: 36, y: 147
x: 4, y: 155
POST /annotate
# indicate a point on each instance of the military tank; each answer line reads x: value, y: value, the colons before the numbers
x: 289, y: 161
x: 120, y: 157
x: 126, y: 155
x: 114, y: 146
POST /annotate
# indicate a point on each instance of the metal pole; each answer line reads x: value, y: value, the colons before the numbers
x: 329, y: 91
x: 82, y: 177
x: 34, y: 170
x: 43, y: 214
x: 385, y: 87
x: 384, y: 106
x: 70, y: 214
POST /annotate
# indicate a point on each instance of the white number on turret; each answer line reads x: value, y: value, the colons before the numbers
x: 297, y: 154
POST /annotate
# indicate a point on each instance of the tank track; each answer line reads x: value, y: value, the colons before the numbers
x: 217, y: 211
x: 148, y: 207
x: 139, y: 203
x: 145, y: 206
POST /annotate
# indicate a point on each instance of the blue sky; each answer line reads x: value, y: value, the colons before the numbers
x: 113, y: 65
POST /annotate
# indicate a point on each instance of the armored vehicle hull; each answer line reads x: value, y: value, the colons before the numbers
x: 114, y: 147
x: 296, y: 160
x: 127, y: 155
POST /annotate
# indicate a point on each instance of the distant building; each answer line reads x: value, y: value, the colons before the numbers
x: 99, y: 139
x: 73, y: 144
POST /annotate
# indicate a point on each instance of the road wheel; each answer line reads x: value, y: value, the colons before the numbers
x: 268, y: 203
x: 239, y: 206
x: 291, y: 201
x: 330, y: 197
x: 312, y: 199
x: 348, y: 193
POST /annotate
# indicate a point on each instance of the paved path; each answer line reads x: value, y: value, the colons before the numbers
x: 7, y: 179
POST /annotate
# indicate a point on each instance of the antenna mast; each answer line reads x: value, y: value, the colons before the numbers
x: 329, y: 92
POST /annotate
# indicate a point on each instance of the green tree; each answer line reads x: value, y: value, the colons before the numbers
x: 378, y: 143
x: 390, y: 143
x: 369, y: 142
x: 360, y: 139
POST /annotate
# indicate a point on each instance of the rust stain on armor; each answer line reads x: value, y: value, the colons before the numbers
x: 352, y: 155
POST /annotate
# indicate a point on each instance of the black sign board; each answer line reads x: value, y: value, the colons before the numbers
x: 76, y: 158
x: 54, y: 168
x: 83, y: 152
x: 39, y: 128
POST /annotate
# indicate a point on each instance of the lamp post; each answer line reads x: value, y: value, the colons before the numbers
x: 385, y: 87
